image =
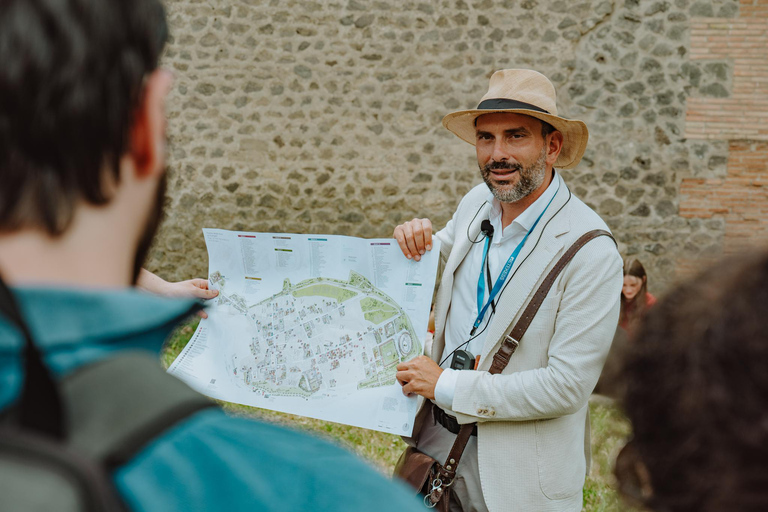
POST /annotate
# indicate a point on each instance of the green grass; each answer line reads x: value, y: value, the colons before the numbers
x: 177, y: 341
x: 609, y: 430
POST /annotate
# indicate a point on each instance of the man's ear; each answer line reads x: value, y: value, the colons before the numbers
x: 148, y: 131
x: 554, y: 146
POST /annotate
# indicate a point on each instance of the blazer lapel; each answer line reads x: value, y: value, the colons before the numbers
x: 463, y: 244
x: 529, y: 268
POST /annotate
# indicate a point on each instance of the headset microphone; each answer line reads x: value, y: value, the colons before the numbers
x: 487, y: 228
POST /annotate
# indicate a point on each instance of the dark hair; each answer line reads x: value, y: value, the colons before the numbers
x: 71, y: 76
x: 546, y: 129
x: 633, y: 310
x: 697, y: 394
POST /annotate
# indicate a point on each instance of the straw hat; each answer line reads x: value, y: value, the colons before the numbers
x: 528, y: 92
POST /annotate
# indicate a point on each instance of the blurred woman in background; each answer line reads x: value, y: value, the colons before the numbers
x: 635, y: 299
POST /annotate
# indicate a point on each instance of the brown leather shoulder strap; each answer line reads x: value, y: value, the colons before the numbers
x: 512, y: 340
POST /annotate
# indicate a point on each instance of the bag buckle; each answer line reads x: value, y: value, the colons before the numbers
x: 432, y: 498
x: 504, y: 354
x: 509, y: 339
x: 512, y: 341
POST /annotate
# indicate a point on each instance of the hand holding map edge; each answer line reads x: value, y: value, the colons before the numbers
x: 189, y: 289
x: 414, y: 237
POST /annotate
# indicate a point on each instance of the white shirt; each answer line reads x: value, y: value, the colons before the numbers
x: 464, y: 309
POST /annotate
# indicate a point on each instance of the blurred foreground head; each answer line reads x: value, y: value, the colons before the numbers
x: 697, y: 395
x: 79, y: 100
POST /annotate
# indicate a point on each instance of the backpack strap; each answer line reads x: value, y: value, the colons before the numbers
x: 39, y: 406
x: 118, y: 405
x: 114, y: 408
x: 73, y: 433
x: 40, y: 473
x: 107, y: 410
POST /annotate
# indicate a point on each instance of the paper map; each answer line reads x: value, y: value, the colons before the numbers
x: 312, y: 325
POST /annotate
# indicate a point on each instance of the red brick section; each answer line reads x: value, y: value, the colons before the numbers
x: 753, y: 9
x: 744, y: 42
x: 741, y: 197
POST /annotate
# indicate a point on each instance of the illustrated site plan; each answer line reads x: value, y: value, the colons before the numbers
x: 313, y: 325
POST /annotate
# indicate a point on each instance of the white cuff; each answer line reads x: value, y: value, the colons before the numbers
x: 446, y: 388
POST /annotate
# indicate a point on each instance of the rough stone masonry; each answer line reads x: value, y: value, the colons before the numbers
x: 324, y: 116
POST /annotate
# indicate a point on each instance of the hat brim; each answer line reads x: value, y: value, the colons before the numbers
x: 575, y: 133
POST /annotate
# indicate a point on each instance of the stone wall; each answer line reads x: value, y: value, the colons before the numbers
x: 324, y: 116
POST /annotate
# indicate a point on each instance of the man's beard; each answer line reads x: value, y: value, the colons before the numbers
x: 150, y: 229
x: 530, y: 178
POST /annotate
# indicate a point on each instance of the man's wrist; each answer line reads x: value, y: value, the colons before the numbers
x: 445, y: 388
x: 152, y: 283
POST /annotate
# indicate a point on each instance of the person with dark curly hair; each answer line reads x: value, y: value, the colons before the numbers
x: 696, y: 392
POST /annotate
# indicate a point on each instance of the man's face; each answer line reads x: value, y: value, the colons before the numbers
x: 511, y: 154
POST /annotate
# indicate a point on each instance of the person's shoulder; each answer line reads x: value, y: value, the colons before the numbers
x: 252, y: 463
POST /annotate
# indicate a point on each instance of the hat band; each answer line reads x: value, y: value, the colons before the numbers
x: 504, y: 104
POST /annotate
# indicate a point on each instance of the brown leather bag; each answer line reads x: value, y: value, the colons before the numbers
x: 419, y: 471
x: 425, y: 474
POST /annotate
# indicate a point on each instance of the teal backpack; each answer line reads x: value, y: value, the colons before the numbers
x: 61, y: 441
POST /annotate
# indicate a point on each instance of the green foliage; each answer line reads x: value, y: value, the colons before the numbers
x: 609, y: 431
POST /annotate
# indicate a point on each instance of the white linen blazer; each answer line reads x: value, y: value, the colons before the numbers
x: 533, y: 419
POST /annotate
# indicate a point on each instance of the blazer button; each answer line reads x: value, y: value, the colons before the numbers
x: 492, y: 413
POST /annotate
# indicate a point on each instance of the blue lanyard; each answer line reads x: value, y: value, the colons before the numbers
x: 504, y: 272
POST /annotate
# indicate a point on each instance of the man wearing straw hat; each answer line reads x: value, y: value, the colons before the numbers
x: 531, y: 447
